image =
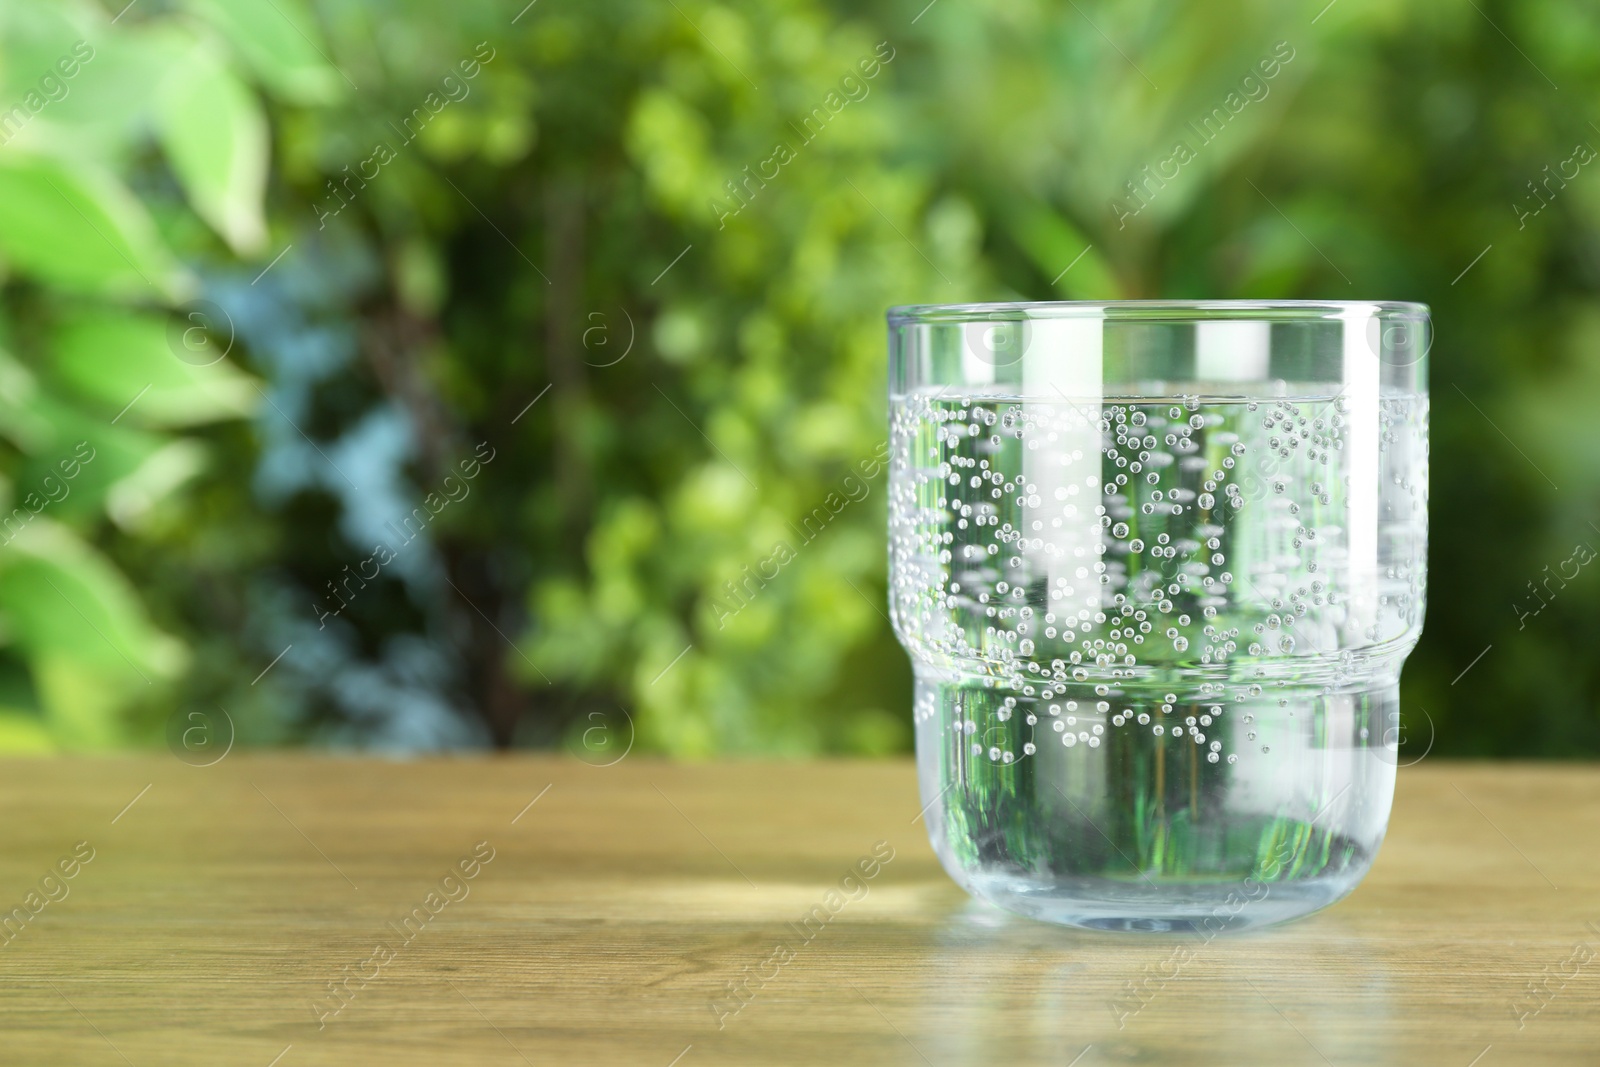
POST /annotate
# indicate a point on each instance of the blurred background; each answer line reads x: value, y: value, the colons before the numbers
x: 397, y: 377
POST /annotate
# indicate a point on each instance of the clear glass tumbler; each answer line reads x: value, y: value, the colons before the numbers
x: 1157, y: 566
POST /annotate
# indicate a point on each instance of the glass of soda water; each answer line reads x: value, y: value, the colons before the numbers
x: 1157, y: 566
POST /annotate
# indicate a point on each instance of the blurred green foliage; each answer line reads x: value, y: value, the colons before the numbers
x: 633, y: 257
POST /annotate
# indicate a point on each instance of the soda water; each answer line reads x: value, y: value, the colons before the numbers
x: 1157, y: 643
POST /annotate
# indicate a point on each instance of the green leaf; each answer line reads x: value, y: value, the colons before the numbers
x: 1054, y: 245
x: 70, y: 89
x: 20, y: 423
x: 23, y: 735
x: 133, y: 499
x: 81, y: 704
x: 215, y: 137
x: 59, y: 597
x: 281, y: 43
x: 80, y: 228
x: 123, y: 360
x: 74, y: 465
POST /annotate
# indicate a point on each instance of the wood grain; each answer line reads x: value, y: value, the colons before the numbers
x: 617, y: 909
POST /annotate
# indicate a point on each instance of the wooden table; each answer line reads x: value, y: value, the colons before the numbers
x: 222, y: 903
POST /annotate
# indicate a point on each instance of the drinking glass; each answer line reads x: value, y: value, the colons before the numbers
x: 1157, y: 566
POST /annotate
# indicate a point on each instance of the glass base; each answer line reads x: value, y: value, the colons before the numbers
x: 1150, y: 809
x: 1171, y: 907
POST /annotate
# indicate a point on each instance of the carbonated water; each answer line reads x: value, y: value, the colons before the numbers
x: 1157, y: 644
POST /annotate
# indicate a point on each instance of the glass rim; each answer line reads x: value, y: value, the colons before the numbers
x: 1153, y: 310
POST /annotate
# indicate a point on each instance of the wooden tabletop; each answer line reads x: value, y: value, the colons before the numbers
x: 298, y: 910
